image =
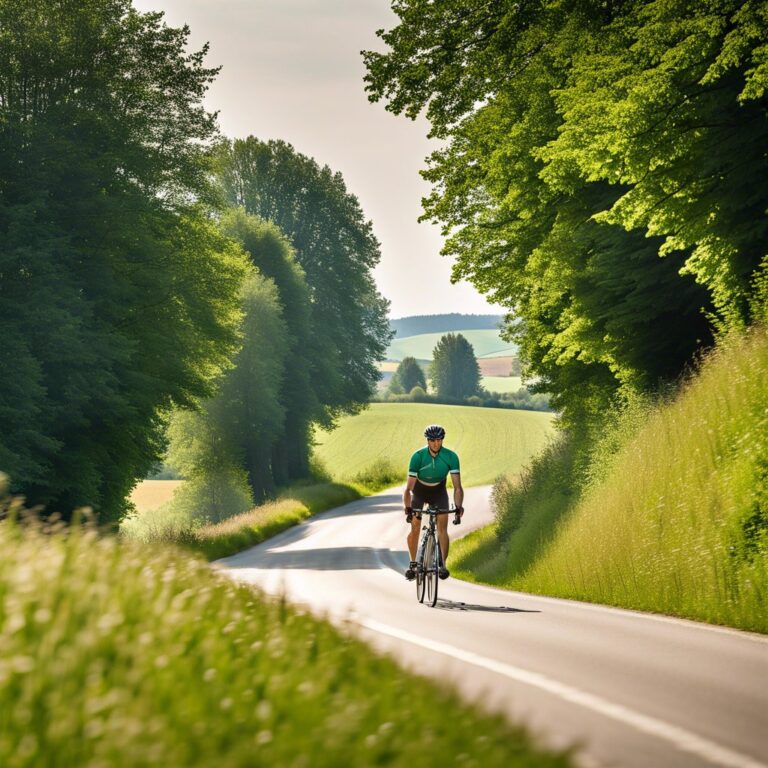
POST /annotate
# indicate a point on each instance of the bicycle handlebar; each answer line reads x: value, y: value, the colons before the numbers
x: 434, y: 511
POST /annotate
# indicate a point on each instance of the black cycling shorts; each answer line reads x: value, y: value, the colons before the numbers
x: 429, y: 494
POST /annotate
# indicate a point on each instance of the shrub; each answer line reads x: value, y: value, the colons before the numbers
x: 382, y: 473
x: 418, y: 395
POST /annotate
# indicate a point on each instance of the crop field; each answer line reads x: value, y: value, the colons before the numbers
x: 502, y: 384
x: 489, y: 366
x: 486, y: 343
x: 495, y: 366
x: 151, y: 494
x: 490, y: 441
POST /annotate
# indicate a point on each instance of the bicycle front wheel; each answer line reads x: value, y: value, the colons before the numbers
x: 431, y: 565
x: 420, y: 580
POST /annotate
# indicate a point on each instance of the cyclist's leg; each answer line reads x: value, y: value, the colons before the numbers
x: 441, y: 498
x: 417, y: 504
x: 413, y: 537
x: 442, y: 522
x: 442, y: 535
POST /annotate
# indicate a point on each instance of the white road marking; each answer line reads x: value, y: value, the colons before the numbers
x: 681, y: 738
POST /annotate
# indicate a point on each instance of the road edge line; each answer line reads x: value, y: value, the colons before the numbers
x: 679, y: 737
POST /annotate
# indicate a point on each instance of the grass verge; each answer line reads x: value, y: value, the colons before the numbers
x: 670, y: 513
x: 118, y: 654
x: 216, y: 540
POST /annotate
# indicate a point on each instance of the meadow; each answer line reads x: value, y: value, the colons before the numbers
x: 486, y: 343
x: 674, y: 513
x: 490, y: 441
x: 134, y: 656
x: 494, y: 374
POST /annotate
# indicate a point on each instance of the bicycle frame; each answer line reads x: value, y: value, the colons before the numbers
x: 429, y: 558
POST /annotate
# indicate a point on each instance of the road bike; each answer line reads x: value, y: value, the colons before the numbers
x: 429, y: 558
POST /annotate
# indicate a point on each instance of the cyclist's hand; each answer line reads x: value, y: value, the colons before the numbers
x: 408, y: 514
x: 458, y: 513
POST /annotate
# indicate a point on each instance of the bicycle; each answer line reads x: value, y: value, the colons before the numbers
x: 429, y: 558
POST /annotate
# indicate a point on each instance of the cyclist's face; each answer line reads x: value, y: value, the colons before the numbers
x: 434, y: 443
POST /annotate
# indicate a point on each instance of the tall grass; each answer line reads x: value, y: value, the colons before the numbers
x: 118, y: 654
x: 670, y: 514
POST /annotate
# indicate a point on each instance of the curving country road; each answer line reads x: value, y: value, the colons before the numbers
x: 630, y: 689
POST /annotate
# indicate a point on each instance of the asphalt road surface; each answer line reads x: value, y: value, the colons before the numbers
x: 630, y: 689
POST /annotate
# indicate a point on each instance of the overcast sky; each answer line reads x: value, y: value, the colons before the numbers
x: 292, y: 70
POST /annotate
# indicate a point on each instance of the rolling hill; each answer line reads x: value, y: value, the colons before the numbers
x: 418, y: 324
x: 486, y: 342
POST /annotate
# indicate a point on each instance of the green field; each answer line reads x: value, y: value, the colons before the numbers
x: 489, y: 441
x: 486, y: 343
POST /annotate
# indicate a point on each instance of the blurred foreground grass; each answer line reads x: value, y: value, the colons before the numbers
x: 114, y: 653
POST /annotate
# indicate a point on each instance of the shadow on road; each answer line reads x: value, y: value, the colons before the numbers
x: 329, y: 559
x: 452, y: 605
x: 370, y: 505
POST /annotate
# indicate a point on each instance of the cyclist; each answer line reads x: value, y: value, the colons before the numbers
x: 427, y: 475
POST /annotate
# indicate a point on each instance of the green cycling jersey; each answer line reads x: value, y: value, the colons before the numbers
x: 433, y: 469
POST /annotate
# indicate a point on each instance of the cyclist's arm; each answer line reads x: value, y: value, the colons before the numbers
x: 407, y: 492
x: 458, y: 491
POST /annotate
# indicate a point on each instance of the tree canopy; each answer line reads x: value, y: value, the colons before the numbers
x: 337, y: 250
x: 409, y: 374
x: 118, y: 295
x: 603, y: 174
x: 229, y: 441
x: 287, y: 449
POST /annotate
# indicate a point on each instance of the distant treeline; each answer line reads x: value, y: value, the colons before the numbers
x: 416, y: 324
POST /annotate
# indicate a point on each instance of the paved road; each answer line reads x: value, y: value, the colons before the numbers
x: 631, y: 689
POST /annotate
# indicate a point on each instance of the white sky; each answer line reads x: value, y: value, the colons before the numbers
x: 292, y: 70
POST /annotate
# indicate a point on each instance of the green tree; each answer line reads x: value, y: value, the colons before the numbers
x: 531, y: 219
x: 337, y: 250
x: 252, y: 397
x: 215, y: 486
x: 408, y: 375
x: 454, y: 372
x: 271, y: 253
x: 118, y: 295
x: 229, y: 441
x: 669, y: 105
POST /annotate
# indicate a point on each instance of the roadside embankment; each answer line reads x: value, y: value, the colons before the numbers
x: 670, y: 515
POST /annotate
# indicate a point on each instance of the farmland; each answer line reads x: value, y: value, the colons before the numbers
x: 151, y: 494
x: 487, y: 343
x: 502, y: 384
x: 490, y: 441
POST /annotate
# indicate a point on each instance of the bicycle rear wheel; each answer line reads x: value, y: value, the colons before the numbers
x: 431, y: 564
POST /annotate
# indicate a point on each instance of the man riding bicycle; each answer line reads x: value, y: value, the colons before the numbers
x: 427, y: 476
